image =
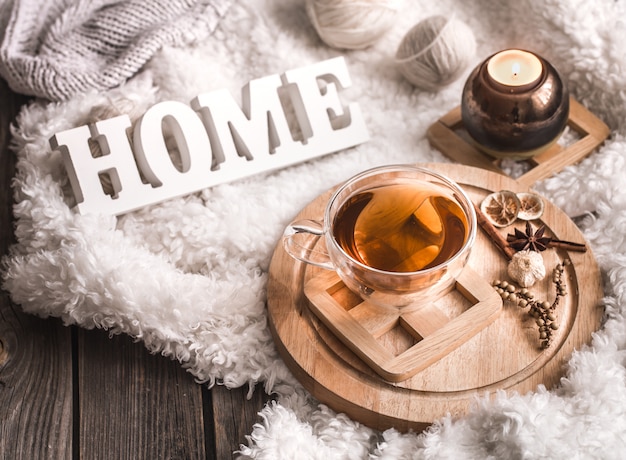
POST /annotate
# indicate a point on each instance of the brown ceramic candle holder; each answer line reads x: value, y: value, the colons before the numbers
x: 517, y: 122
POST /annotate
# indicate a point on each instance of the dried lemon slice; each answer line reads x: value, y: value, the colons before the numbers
x: 531, y: 206
x: 501, y: 208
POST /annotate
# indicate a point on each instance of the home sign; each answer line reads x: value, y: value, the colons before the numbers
x: 283, y: 120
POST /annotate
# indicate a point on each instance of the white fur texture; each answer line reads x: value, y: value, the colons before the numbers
x: 188, y: 276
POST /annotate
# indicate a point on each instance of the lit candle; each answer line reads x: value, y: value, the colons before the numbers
x: 515, y: 68
x: 514, y: 105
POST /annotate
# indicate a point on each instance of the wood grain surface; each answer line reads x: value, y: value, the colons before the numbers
x: 435, y: 332
x: 503, y: 356
x: 69, y: 393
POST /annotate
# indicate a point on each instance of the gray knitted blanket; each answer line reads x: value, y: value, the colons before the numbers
x: 56, y: 49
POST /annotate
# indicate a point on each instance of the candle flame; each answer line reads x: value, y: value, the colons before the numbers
x: 515, y: 68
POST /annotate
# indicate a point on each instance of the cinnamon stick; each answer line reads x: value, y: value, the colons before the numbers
x: 568, y: 245
x: 493, y: 234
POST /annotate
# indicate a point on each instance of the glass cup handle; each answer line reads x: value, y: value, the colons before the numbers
x: 299, y: 241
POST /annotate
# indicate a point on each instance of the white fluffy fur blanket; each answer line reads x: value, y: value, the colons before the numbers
x: 188, y: 276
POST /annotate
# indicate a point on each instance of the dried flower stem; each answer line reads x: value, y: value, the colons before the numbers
x: 541, y: 311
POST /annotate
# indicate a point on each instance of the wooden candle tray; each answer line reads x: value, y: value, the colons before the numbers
x: 443, y: 135
x: 360, y: 325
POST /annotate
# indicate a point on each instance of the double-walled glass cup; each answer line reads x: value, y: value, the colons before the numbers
x: 440, y: 225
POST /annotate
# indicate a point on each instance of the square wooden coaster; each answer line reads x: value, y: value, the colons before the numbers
x: 592, y: 131
x: 359, y: 325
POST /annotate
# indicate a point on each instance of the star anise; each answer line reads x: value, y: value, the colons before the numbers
x: 530, y: 239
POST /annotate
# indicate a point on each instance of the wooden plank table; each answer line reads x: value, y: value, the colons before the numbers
x: 69, y: 393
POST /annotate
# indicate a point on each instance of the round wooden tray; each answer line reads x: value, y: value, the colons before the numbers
x: 503, y: 356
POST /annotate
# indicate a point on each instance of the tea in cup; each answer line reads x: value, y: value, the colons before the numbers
x: 396, y: 235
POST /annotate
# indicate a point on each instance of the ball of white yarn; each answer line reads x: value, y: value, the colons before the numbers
x: 351, y: 24
x: 435, y: 52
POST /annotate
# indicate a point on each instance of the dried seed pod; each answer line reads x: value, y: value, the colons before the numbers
x: 526, y: 268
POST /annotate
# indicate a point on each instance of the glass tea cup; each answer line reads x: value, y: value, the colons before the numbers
x: 396, y: 235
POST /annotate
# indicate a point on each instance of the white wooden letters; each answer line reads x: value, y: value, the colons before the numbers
x: 282, y: 120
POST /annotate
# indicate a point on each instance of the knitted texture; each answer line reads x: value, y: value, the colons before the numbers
x: 56, y: 49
